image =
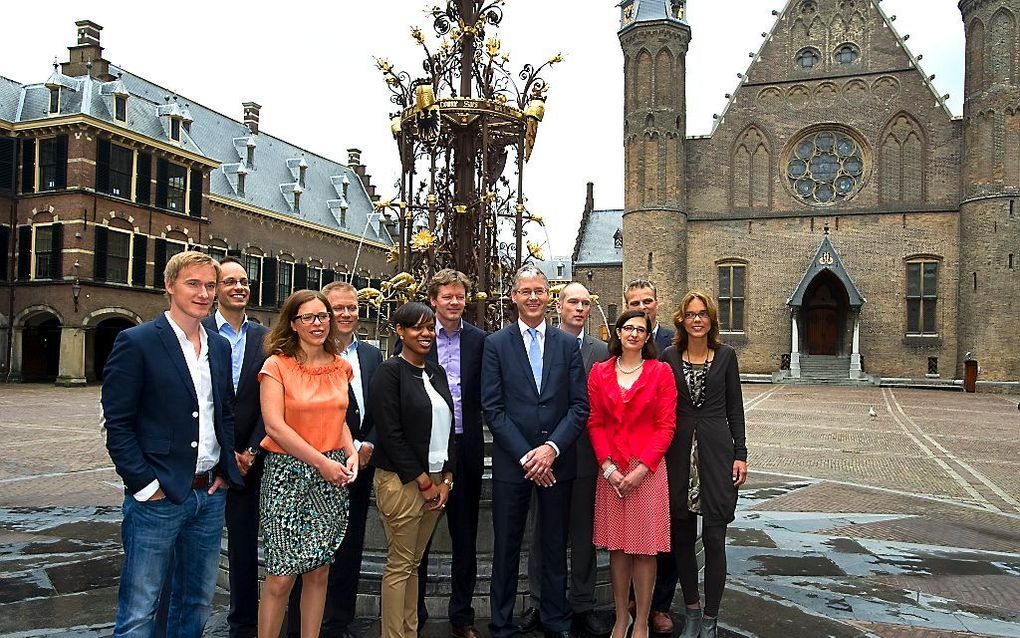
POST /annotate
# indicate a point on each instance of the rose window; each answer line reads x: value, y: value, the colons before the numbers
x: 826, y: 167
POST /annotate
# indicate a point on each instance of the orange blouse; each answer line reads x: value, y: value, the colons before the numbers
x: 314, y: 400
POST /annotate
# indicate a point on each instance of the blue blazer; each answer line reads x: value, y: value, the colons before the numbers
x: 664, y: 337
x: 151, y: 408
x: 369, y: 358
x: 521, y: 416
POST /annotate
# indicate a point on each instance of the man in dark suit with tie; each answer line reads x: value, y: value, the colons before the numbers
x: 458, y: 348
x: 342, y: 591
x: 642, y: 295
x: 168, y: 406
x: 573, y: 308
x: 536, y: 403
x: 246, y: 358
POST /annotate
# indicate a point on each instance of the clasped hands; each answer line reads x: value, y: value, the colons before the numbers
x: 538, y: 465
x: 626, y: 483
x: 340, y: 474
x: 435, y: 494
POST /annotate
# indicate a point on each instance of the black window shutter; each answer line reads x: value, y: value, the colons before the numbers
x: 269, y: 283
x: 143, y: 180
x: 8, y: 149
x: 5, y: 251
x: 103, y: 166
x: 159, y: 263
x: 57, y: 252
x: 61, y: 162
x: 195, y: 205
x: 328, y: 276
x: 27, y: 165
x: 24, y: 252
x: 234, y: 252
x: 99, y: 263
x: 300, y: 277
x: 162, y: 169
x: 138, y: 255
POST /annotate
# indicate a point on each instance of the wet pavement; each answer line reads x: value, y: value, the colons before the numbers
x: 902, y: 526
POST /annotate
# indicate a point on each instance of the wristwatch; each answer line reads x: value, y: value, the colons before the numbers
x: 448, y: 482
x: 255, y: 451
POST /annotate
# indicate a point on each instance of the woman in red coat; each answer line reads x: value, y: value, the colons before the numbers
x: 631, y: 423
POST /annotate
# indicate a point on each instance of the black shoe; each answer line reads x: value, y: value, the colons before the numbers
x: 593, y: 624
x: 529, y: 620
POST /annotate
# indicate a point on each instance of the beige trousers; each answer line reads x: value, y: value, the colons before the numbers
x: 408, y: 527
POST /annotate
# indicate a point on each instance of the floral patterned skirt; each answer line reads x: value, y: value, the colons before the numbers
x: 304, y: 518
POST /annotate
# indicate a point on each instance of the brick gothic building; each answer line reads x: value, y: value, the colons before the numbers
x: 847, y: 223
x: 104, y: 176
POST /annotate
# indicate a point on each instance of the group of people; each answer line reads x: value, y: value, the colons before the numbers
x: 620, y: 446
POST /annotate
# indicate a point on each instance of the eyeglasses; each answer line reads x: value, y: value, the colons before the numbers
x: 537, y: 292
x: 638, y: 330
x: 691, y: 316
x: 311, y: 317
x: 230, y: 282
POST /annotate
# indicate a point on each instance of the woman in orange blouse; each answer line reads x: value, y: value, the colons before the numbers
x: 311, y: 460
x: 632, y: 417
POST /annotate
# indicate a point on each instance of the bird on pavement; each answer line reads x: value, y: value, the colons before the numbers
x: 872, y: 414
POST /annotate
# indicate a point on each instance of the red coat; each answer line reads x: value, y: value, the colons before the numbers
x: 636, y: 423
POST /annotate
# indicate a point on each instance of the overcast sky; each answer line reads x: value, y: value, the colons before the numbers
x: 310, y: 66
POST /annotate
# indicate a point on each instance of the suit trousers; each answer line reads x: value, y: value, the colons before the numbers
x: 462, y: 522
x: 243, y: 555
x: 408, y: 526
x: 345, y: 572
x: 582, y: 550
x: 510, y: 502
x: 666, y: 579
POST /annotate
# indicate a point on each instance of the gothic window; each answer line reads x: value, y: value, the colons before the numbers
x: 732, y: 283
x: 1003, y: 35
x: 643, y: 80
x: 975, y: 71
x: 752, y: 163
x: 808, y: 7
x: 664, y: 79
x: 847, y: 54
x: 1012, y: 148
x: 901, y: 161
x: 922, y: 296
x: 807, y: 58
x: 826, y: 167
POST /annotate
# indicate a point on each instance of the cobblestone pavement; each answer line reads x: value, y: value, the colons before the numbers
x: 903, y: 525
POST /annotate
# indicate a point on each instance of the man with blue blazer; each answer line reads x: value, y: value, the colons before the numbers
x: 344, y: 574
x: 458, y: 349
x: 168, y: 405
x: 641, y: 294
x: 536, y: 404
x: 247, y: 354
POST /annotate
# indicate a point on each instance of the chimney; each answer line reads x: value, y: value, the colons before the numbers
x: 251, y: 116
x: 589, y: 202
x: 354, y: 163
x: 88, y: 50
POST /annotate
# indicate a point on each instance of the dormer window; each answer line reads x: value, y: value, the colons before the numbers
x: 242, y: 174
x: 297, y: 199
x: 54, y: 99
x: 120, y: 108
x: 187, y: 126
x: 807, y: 58
x: 175, y: 129
x: 250, y: 157
x: 346, y: 185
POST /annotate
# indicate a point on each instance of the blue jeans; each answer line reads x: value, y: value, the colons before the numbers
x: 158, y: 535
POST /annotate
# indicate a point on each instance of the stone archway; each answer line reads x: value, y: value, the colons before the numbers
x: 37, y: 345
x: 101, y: 330
x: 825, y: 312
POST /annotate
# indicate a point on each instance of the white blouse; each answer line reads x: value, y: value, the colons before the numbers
x: 442, y: 418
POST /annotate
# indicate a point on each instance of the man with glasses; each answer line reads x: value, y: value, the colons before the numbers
x: 168, y: 403
x: 246, y: 358
x: 535, y: 403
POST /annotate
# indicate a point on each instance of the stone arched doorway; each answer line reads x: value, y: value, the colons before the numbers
x: 40, y: 347
x: 826, y: 309
x: 103, y: 336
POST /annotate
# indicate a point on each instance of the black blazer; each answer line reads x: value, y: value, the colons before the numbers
x: 151, y: 409
x: 369, y: 358
x: 664, y: 337
x: 521, y: 416
x: 403, y: 417
x: 593, y: 350
x: 249, y: 430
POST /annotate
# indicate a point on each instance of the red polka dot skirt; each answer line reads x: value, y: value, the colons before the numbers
x: 638, y: 523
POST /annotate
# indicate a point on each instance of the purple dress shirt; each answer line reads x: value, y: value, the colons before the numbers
x: 448, y: 351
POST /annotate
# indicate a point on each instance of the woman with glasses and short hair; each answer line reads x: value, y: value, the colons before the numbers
x: 708, y: 458
x: 632, y: 398
x: 311, y: 459
x: 414, y: 460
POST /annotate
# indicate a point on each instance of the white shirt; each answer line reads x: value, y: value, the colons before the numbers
x: 201, y: 378
x: 350, y: 355
x: 524, y: 328
x: 442, y: 418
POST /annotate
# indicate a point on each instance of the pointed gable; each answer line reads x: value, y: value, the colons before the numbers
x: 826, y: 258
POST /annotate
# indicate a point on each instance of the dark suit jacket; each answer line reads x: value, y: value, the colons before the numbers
x: 249, y: 430
x: 593, y: 350
x: 403, y: 417
x: 664, y: 337
x: 151, y: 409
x: 369, y: 358
x: 521, y: 416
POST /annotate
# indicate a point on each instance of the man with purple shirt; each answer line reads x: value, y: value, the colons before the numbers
x: 458, y: 348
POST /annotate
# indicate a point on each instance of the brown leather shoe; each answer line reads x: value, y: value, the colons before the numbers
x: 464, y: 632
x: 660, y: 622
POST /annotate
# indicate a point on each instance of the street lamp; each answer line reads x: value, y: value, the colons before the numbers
x: 75, y: 293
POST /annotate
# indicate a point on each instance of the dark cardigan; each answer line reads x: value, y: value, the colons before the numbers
x: 402, y: 412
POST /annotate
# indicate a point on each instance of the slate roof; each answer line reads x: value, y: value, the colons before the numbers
x: 270, y: 181
x: 548, y: 266
x: 653, y: 11
x: 597, y: 246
